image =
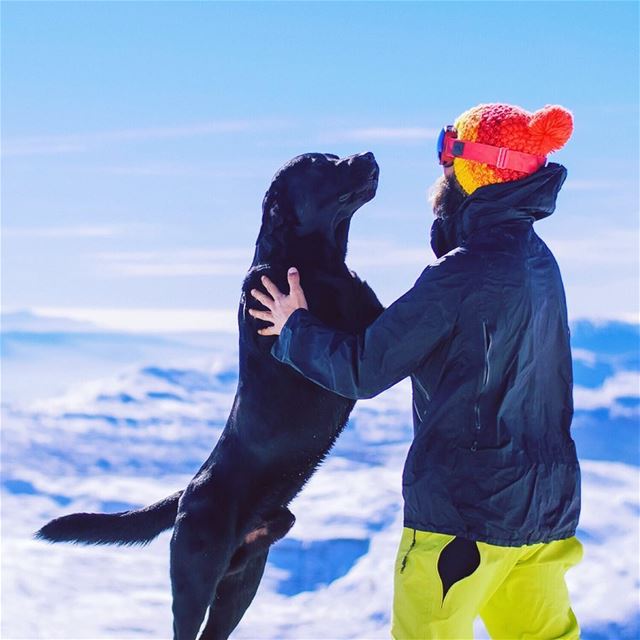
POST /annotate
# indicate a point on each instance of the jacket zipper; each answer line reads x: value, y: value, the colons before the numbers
x: 415, y: 408
x: 485, y: 377
x: 404, y: 560
x: 426, y: 393
x: 487, y: 345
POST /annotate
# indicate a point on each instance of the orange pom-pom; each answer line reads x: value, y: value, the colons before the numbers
x: 550, y: 128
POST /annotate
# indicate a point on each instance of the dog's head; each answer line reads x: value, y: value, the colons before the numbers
x: 309, y: 204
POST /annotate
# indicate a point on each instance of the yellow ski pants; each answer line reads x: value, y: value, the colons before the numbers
x: 442, y: 582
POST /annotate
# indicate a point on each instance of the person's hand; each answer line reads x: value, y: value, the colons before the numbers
x: 280, y: 305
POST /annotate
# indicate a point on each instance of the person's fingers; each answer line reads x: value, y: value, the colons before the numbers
x: 263, y: 298
x: 268, y: 331
x: 262, y: 315
x: 271, y: 288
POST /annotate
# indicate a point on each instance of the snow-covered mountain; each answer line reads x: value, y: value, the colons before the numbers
x: 105, y: 422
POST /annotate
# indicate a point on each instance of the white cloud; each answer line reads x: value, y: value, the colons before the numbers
x: 33, y: 146
x: 595, y: 184
x: 632, y: 317
x: 175, y: 270
x: 83, y: 231
x: 622, y: 384
x: 176, y: 262
x: 148, y: 320
x: 606, y: 247
x: 177, y: 170
x: 382, y: 134
x: 587, y: 357
x: 74, y: 143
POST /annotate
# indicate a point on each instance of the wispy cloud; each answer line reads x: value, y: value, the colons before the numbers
x: 609, y: 247
x: 381, y: 134
x: 379, y: 253
x: 176, y: 263
x: 235, y: 261
x: 45, y: 145
x: 596, y: 184
x: 77, y: 143
x: 86, y: 231
x: 176, y: 170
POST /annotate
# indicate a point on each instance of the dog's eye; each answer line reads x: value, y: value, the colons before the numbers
x: 344, y: 197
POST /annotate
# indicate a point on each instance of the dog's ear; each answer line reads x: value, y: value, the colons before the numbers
x: 278, y: 219
x: 272, y: 213
x: 276, y: 207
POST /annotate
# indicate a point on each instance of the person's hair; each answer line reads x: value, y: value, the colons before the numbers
x: 446, y: 195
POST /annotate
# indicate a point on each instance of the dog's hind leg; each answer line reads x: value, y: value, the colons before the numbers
x: 238, y: 588
x: 275, y: 526
x: 233, y: 596
x: 201, y: 547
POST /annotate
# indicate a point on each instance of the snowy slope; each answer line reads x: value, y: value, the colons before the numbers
x: 132, y: 437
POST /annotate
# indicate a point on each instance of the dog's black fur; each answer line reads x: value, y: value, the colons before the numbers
x: 281, y: 425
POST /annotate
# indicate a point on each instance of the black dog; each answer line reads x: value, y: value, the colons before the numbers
x: 281, y: 425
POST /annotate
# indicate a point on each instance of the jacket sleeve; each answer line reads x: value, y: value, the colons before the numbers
x: 363, y: 365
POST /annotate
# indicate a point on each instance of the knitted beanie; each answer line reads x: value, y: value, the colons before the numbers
x: 505, y: 125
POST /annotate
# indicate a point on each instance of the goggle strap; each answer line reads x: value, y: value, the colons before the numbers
x: 500, y: 157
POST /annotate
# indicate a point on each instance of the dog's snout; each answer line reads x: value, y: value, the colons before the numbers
x: 372, y: 165
x: 358, y: 158
x: 367, y: 156
x: 370, y: 161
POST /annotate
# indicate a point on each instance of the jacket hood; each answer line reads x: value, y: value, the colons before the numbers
x: 531, y: 198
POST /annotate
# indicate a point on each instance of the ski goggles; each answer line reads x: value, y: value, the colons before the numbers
x: 449, y: 148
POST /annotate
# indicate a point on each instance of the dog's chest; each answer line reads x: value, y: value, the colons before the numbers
x: 336, y: 301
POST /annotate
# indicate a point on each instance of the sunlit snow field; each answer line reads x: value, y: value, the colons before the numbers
x: 95, y: 421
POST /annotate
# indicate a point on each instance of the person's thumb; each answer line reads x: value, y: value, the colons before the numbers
x: 295, y: 289
x: 293, y: 277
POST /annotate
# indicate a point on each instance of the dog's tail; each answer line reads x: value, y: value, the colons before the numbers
x: 136, y: 527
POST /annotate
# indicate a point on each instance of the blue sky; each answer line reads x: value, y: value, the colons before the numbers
x: 139, y: 138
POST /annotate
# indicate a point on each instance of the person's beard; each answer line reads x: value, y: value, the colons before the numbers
x: 446, y: 196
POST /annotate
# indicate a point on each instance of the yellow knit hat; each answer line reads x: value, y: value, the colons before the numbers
x: 505, y: 125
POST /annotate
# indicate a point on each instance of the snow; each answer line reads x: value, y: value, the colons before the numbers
x: 140, y: 429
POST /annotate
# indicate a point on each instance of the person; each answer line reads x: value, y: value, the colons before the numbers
x: 491, y: 482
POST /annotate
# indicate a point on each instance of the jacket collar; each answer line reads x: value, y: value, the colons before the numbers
x: 533, y: 198
x: 528, y: 199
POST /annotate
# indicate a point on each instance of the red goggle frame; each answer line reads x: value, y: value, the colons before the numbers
x: 449, y: 148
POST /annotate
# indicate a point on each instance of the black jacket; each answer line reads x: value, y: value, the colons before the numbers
x: 483, y: 333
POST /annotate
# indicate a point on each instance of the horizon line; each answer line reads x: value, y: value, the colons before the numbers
x: 184, y: 319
